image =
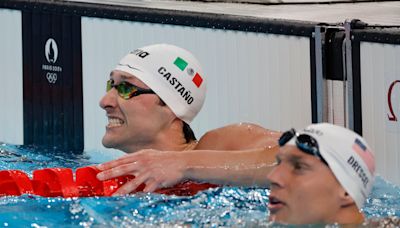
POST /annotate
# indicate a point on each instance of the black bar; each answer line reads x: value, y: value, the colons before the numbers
x: 357, y: 106
x: 378, y: 34
x: 313, y: 81
x: 53, y: 107
x: 164, y: 16
x: 334, y: 55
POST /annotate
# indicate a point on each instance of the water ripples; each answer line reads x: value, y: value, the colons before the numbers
x: 219, y: 207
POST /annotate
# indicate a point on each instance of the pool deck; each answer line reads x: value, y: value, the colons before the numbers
x: 374, y: 13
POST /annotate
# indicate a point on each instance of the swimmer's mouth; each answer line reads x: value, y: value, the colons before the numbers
x: 275, y: 204
x: 114, y: 122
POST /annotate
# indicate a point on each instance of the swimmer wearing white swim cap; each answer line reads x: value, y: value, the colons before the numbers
x: 156, y: 86
x: 153, y: 94
x: 323, y: 175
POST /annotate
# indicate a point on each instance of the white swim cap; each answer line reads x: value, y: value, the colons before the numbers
x: 349, y: 157
x: 173, y: 73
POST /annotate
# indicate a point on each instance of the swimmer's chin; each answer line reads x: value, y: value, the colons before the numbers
x: 108, y: 143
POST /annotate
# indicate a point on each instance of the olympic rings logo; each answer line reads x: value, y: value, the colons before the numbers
x: 51, y: 77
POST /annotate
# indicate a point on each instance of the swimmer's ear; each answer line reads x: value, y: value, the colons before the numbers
x: 346, y: 199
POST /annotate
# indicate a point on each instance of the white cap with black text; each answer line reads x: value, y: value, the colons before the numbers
x: 348, y: 156
x: 173, y: 73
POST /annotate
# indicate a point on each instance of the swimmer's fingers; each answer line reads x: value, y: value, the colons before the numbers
x: 154, y: 184
x: 143, y: 156
x: 131, y: 158
x: 151, y: 186
x: 131, y: 185
x: 126, y: 169
x: 158, y: 179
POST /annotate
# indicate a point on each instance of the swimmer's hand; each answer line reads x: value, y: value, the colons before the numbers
x: 156, y: 169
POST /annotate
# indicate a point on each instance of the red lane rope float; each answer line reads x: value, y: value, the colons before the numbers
x: 59, y: 182
x: 89, y: 185
x: 15, y: 182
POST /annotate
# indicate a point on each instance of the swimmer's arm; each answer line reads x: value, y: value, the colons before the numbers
x: 160, y: 169
x: 237, y: 154
x: 237, y: 168
x: 243, y: 136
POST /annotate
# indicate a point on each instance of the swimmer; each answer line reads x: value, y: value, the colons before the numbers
x: 323, y: 175
x: 152, y: 96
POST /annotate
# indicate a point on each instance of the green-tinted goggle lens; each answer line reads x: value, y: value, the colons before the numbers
x: 127, y: 90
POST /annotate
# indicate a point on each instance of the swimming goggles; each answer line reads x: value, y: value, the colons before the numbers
x: 305, y: 143
x: 127, y: 90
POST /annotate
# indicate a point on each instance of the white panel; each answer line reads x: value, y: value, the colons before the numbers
x: 11, y: 114
x: 380, y: 67
x: 334, y: 104
x: 253, y: 77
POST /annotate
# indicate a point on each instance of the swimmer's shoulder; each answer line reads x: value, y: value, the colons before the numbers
x: 240, y: 136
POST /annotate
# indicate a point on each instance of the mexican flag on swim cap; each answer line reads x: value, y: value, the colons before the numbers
x: 173, y: 73
x: 349, y: 157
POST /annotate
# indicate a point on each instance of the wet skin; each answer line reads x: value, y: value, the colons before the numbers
x: 304, y: 190
x: 134, y: 123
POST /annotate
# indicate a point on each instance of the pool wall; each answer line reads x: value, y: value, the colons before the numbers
x: 246, y: 72
x: 380, y: 99
x: 11, y: 95
x: 56, y: 56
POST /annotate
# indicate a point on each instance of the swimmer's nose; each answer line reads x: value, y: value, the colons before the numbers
x: 275, y: 177
x: 109, y: 100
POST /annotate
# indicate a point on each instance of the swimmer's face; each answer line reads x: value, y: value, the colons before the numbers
x: 132, y: 123
x: 303, y: 189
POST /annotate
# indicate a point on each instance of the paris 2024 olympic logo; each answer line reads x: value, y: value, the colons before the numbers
x: 51, y: 53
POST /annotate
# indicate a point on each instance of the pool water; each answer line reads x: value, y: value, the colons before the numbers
x: 224, y: 206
